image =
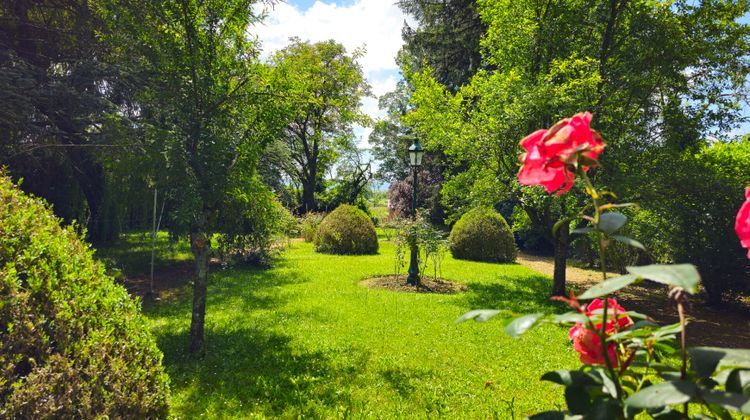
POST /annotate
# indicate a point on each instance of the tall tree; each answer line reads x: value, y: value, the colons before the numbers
x: 325, y: 85
x: 209, y: 112
x: 445, y: 39
x: 63, y: 97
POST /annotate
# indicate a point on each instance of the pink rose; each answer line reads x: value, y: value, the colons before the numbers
x: 614, y: 312
x: 550, y: 154
x: 587, y: 342
x: 742, y: 222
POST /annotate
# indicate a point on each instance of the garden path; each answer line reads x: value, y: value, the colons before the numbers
x: 726, y: 326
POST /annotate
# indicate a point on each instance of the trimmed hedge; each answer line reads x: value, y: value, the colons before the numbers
x: 482, y: 234
x: 346, y: 230
x: 73, y: 344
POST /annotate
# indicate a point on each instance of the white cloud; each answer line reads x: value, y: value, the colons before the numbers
x: 373, y: 24
x: 383, y: 85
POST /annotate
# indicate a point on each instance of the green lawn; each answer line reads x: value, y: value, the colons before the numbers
x: 303, y: 339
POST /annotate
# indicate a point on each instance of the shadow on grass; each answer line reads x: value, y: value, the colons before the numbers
x: 132, y: 253
x: 254, y: 370
x: 512, y: 293
x: 250, y: 288
x: 247, y: 368
x: 401, y: 380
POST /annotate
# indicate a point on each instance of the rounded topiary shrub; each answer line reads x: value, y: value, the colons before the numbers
x: 346, y: 230
x: 482, y: 234
x: 73, y: 344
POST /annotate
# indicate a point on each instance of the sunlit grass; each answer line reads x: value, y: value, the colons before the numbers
x: 303, y: 339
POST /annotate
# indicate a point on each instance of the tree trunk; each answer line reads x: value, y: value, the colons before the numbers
x: 308, y: 196
x: 201, y: 248
x: 561, y: 260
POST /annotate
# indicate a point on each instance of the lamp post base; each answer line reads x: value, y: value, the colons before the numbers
x: 413, y: 278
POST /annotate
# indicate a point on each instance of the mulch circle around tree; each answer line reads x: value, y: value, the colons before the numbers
x: 398, y: 284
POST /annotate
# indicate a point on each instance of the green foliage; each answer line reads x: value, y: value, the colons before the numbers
x: 72, y: 342
x: 253, y: 221
x: 350, y: 184
x: 309, y: 223
x: 626, y: 355
x: 716, y: 378
x: 401, y: 244
x: 539, y: 66
x: 695, y: 204
x: 390, y: 139
x: 482, y: 235
x: 289, y: 225
x: 446, y: 38
x: 433, y: 245
x: 528, y: 236
x: 206, y: 113
x: 431, y: 241
x: 346, y: 230
x: 50, y: 88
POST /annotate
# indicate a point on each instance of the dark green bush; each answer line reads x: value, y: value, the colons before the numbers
x: 73, y: 344
x: 694, y: 205
x: 346, y: 230
x: 482, y: 234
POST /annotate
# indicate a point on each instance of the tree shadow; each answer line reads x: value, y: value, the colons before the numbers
x: 402, y: 380
x: 249, y: 369
x: 514, y: 294
x: 248, y: 288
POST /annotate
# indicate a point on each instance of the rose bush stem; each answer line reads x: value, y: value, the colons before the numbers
x: 591, y: 191
x: 683, y: 368
x: 607, y: 362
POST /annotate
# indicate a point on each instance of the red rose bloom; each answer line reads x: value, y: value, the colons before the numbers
x: 551, y: 153
x: 614, y: 311
x: 742, y: 222
x: 587, y: 342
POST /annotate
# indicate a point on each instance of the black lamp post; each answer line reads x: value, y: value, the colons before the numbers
x: 415, y: 161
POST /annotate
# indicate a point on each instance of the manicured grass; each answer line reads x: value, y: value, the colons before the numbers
x: 303, y: 339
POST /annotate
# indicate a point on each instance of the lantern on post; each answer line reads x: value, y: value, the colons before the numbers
x: 416, y: 152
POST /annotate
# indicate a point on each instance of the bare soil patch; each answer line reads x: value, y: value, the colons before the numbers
x: 398, y: 284
x: 169, y: 280
x: 724, y: 326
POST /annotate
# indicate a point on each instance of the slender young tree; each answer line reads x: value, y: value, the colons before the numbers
x: 209, y: 111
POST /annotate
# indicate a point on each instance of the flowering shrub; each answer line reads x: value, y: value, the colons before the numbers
x: 626, y: 355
